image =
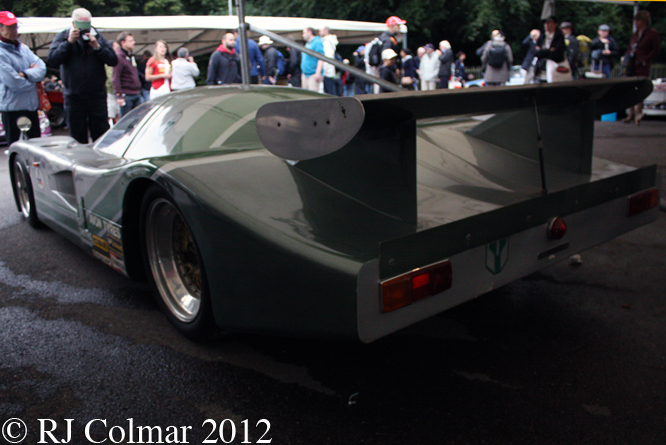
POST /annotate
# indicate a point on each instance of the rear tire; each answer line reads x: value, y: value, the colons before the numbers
x: 23, y: 192
x: 174, y: 266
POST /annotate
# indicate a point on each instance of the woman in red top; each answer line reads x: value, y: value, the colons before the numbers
x: 644, y: 46
x: 158, y: 70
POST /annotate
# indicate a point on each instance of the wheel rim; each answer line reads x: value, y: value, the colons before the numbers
x: 22, y: 188
x: 173, y: 260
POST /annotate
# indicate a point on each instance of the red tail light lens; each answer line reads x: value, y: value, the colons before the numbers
x: 416, y: 285
x: 643, y: 201
x: 557, y: 228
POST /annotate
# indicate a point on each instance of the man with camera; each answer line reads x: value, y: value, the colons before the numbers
x: 81, y: 53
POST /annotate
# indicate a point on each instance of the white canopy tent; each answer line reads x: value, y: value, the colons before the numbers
x: 200, y: 34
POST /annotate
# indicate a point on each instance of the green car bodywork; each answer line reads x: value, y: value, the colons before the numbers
x: 301, y: 246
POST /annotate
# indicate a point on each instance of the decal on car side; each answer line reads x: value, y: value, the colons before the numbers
x: 497, y: 255
x: 107, y: 242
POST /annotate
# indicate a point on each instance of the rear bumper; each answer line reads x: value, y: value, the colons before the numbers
x: 476, y: 270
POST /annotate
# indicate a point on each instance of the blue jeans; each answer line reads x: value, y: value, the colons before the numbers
x: 333, y: 86
x: 362, y: 88
x: 131, y: 101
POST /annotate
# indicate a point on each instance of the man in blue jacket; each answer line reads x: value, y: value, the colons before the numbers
x: 81, y: 53
x: 20, y: 70
x: 257, y: 68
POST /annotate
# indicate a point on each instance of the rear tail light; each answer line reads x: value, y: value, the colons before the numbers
x: 557, y: 228
x: 416, y: 285
x: 643, y: 201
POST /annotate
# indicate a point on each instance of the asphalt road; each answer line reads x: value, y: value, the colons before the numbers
x: 568, y: 355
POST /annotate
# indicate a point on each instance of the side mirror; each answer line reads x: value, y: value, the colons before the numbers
x: 24, y: 124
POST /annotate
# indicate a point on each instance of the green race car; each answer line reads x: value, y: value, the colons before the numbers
x: 277, y: 210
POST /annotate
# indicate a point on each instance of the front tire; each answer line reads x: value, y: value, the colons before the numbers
x: 24, y: 193
x: 174, y: 266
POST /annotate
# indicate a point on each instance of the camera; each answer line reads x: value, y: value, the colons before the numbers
x: 84, y: 31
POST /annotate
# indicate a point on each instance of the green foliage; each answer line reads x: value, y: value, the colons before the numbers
x: 163, y: 7
x: 465, y: 23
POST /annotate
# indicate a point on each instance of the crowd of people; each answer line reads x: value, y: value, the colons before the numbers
x: 102, y: 80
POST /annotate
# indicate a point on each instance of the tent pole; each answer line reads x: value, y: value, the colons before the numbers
x: 242, y: 34
x: 357, y: 72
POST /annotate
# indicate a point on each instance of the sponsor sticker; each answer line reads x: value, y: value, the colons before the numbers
x: 100, y: 243
x: 497, y: 255
x: 107, y: 243
x: 105, y: 259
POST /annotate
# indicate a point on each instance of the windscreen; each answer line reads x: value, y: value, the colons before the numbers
x: 204, y: 120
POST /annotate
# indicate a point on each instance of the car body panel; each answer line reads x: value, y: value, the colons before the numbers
x: 300, y: 247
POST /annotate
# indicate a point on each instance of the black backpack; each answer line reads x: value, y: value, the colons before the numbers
x: 375, y: 52
x: 496, y: 55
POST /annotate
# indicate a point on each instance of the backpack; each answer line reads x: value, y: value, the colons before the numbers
x: 338, y: 57
x: 496, y: 55
x: 281, y: 65
x: 374, y: 52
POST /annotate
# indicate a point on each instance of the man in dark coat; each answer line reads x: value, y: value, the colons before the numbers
x: 573, y: 47
x: 126, y: 82
x: 644, y: 46
x: 294, y: 67
x: 81, y: 53
x: 391, y: 36
x: 604, y: 50
x: 445, y: 61
x: 389, y: 40
x: 270, y: 60
x: 224, y: 64
x: 530, y: 43
x: 550, y: 46
x: 388, y: 69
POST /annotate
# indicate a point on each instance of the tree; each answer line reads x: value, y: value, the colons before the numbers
x: 465, y: 23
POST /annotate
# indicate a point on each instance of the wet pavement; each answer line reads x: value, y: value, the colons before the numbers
x: 573, y: 354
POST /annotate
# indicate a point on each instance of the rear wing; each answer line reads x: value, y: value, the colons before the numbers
x: 365, y: 147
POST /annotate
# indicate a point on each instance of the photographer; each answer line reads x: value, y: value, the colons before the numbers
x: 81, y: 53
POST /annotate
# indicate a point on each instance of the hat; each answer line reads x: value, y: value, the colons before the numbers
x: 395, y: 20
x: 388, y: 54
x: 566, y: 25
x: 604, y: 28
x: 81, y: 18
x: 360, y: 48
x: 265, y: 40
x: 7, y: 18
x: 429, y: 46
x: 551, y: 18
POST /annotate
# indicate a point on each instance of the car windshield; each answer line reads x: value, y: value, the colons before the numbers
x: 115, y: 140
x: 206, y: 120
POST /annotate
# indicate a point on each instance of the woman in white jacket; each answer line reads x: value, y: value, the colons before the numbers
x: 429, y: 68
